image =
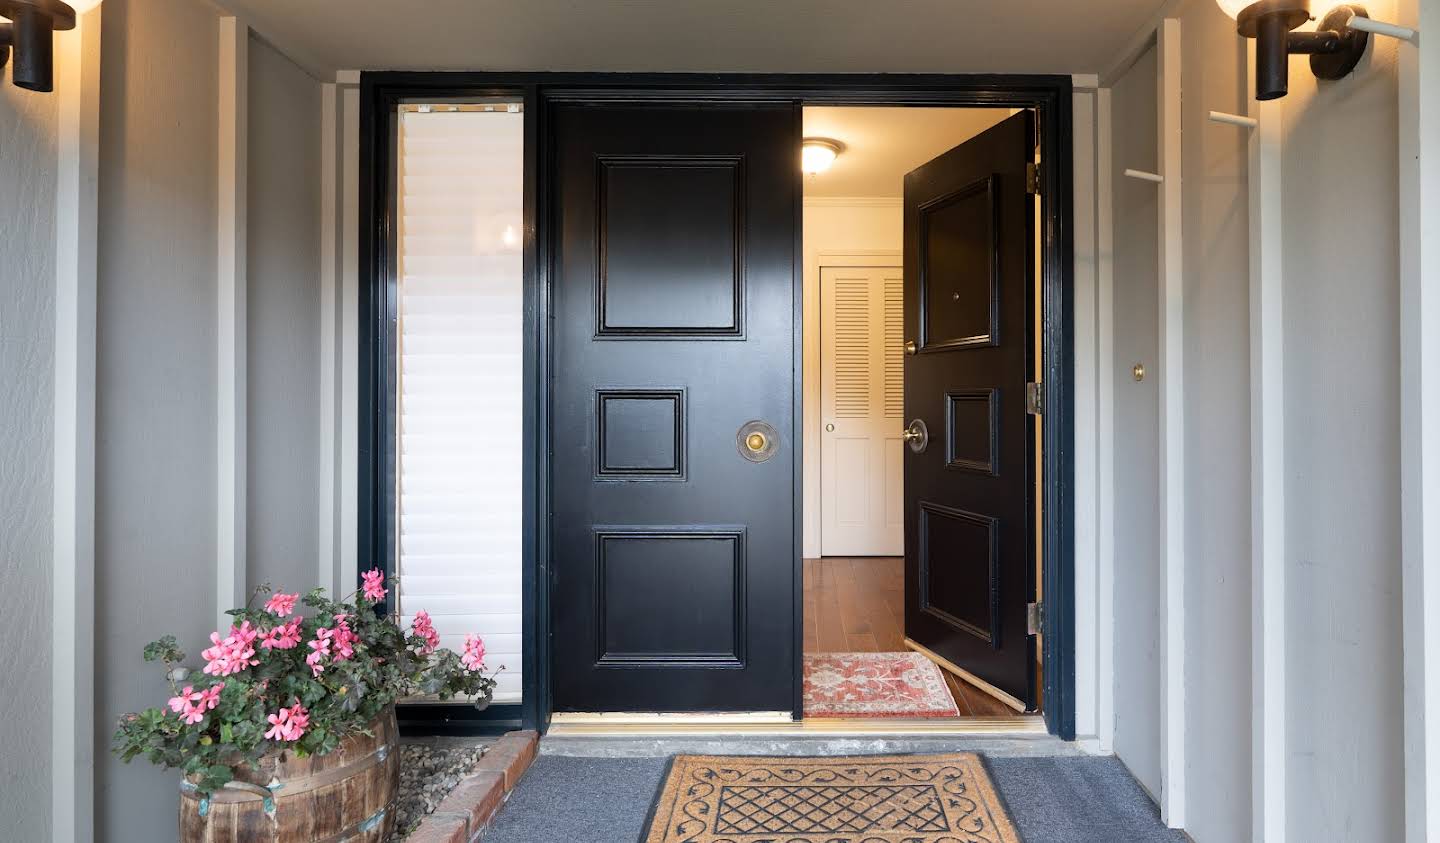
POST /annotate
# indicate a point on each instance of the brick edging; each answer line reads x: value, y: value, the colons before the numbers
x: 461, y: 817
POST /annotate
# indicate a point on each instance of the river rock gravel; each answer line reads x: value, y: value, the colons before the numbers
x: 428, y: 772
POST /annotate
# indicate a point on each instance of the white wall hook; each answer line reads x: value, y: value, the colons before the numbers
x: 1233, y: 119
x: 1144, y: 176
x: 1380, y: 27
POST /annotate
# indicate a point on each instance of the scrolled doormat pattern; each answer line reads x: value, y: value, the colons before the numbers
x: 855, y: 799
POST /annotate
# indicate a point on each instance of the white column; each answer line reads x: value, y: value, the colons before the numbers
x: 1267, y: 469
x: 1420, y: 412
x: 72, y: 687
x: 1172, y: 433
x: 1105, y: 433
x: 230, y: 326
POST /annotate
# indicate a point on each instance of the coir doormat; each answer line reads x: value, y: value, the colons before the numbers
x: 854, y: 799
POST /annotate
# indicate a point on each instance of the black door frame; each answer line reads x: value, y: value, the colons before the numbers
x: 380, y: 95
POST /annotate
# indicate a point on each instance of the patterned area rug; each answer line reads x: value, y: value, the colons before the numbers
x: 875, y: 685
x: 859, y: 799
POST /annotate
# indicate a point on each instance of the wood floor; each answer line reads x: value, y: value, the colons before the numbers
x: 858, y: 606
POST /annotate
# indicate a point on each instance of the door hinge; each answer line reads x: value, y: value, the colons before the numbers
x: 1034, y: 398
x: 1032, y: 179
x: 1034, y: 618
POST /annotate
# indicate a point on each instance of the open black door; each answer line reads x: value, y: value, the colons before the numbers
x: 969, y: 476
x: 673, y: 486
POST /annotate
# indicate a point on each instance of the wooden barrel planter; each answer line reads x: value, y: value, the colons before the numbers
x: 348, y: 795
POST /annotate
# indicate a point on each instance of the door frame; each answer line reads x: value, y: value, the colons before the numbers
x: 382, y: 92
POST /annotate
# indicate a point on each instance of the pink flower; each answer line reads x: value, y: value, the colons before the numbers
x: 233, y: 653
x: 288, y: 724
x: 281, y: 605
x: 284, y: 636
x: 374, y: 585
x: 423, y: 627
x: 473, y: 658
x: 191, y: 705
x: 344, y: 638
x: 319, y: 649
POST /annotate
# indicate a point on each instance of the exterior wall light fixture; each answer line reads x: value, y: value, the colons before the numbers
x: 1335, y: 47
x: 29, y: 34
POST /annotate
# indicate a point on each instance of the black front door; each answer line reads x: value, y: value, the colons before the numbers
x: 673, y: 456
x: 969, y: 516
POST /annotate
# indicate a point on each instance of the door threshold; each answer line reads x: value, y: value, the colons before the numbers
x: 691, y: 725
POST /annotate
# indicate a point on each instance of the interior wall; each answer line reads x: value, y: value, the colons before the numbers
x: 28, y: 127
x: 1342, y: 409
x: 283, y: 345
x: 832, y: 225
x: 1137, y: 560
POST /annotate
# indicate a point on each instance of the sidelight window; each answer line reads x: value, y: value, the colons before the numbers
x: 459, y: 380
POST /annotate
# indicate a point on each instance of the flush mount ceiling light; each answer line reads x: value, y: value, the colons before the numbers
x: 1335, y: 47
x: 28, y: 33
x: 817, y: 154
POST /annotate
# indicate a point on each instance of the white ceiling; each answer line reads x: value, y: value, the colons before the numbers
x: 778, y: 36
x: 883, y: 144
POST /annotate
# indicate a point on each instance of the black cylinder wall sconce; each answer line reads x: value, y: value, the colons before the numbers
x: 1335, y: 47
x: 29, y: 35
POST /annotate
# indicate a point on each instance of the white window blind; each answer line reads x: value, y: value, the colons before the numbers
x: 459, y: 373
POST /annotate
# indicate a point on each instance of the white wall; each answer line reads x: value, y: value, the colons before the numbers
x: 1137, y: 560
x: 1339, y: 239
x: 1215, y: 228
x: 832, y: 225
x: 1342, y: 404
x: 28, y: 125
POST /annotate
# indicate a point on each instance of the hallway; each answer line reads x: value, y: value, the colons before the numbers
x: 857, y: 605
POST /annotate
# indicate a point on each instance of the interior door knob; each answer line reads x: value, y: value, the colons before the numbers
x: 910, y: 347
x: 830, y: 428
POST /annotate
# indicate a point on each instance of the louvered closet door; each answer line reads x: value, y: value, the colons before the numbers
x: 862, y: 401
x: 460, y: 380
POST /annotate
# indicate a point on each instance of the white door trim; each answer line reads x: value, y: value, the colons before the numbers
x: 1172, y: 432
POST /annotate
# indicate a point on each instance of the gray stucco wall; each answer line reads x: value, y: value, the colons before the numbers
x: 283, y: 232
x: 27, y: 438
x: 1342, y: 403
x: 155, y: 396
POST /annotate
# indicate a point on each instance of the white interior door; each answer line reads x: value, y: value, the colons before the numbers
x: 862, y: 401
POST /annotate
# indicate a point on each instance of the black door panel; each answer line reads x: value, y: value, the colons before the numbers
x: 673, y: 279
x: 969, y: 296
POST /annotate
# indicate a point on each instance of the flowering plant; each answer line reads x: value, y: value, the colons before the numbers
x: 282, y: 680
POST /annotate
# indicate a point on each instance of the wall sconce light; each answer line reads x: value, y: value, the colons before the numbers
x: 817, y: 154
x: 29, y: 35
x: 1335, y: 47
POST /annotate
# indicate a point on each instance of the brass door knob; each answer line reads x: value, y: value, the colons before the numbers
x: 910, y: 347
